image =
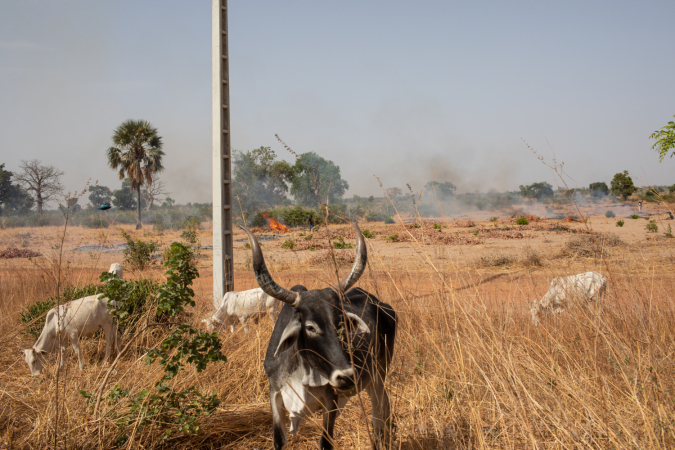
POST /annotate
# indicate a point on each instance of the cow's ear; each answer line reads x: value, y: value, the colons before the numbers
x: 289, y: 337
x: 358, y: 325
x: 42, y: 352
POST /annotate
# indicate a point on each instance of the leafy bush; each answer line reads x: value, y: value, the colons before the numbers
x: 651, y: 227
x: 522, y: 220
x: 392, y: 238
x: 619, y: 223
x: 163, y: 406
x: 388, y: 220
x: 493, y: 219
x: 437, y: 226
x: 373, y: 216
x: 669, y: 232
x: 138, y: 255
x: 609, y: 214
x: 340, y: 243
x: 297, y: 217
x: 289, y: 244
x: 368, y: 234
x: 634, y: 216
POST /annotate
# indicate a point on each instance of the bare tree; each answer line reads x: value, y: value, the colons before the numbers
x: 152, y: 191
x: 394, y: 192
x: 43, y: 181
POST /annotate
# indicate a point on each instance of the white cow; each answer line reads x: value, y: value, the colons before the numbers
x: 582, y: 287
x: 81, y: 317
x: 242, y: 305
x: 116, y: 269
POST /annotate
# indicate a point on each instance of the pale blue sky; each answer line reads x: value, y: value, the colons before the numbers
x: 388, y: 86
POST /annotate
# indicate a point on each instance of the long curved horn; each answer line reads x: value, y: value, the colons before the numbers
x: 263, y: 277
x: 359, y: 265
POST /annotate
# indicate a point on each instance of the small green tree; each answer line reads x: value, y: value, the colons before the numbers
x: 259, y: 180
x: 537, y: 190
x: 12, y: 196
x: 99, y: 195
x: 665, y: 140
x: 599, y: 189
x: 123, y: 198
x: 316, y: 179
x: 622, y: 185
x: 443, y: 190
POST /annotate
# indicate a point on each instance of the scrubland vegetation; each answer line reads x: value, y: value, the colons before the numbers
x: 470, y: 370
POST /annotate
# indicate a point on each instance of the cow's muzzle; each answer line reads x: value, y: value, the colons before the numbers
x: 343, y: 380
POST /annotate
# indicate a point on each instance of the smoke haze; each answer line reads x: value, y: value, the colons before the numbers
x: 395, y: 88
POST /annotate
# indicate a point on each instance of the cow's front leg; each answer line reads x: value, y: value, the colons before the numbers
x: 278, y: 418
x: 75, y: 342
x: 330, y: 413
x: 381, y: 412
x: 63, y: 356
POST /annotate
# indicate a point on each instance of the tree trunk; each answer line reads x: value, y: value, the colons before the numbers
x: 138, y: 191
x: 38, y: 200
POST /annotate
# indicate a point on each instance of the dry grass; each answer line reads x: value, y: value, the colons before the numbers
x: 470, y: 371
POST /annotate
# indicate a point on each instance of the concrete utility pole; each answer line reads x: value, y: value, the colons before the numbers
x: 223, y: 275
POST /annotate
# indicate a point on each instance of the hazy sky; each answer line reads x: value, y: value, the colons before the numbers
x: 396, y: 88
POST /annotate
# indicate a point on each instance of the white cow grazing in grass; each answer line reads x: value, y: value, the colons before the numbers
x: 564, y: 290
x: 242, y: 305
x: 116, y: 269
x: 81, y: 317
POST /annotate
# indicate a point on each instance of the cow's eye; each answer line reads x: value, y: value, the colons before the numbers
x: 310, y: 328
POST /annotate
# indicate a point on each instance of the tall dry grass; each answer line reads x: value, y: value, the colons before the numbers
x: 469, y: 371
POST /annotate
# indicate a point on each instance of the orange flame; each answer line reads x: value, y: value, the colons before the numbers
x: 275, y: 225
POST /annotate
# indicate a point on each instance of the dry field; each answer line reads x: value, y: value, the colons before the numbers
x: 470, y: 371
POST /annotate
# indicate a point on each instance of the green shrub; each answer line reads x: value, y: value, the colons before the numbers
x: 173, y: 411
x: 189, y: 233
x: 289, y: 244
x: 437, y: 226
x: 340, y: 243
x: 138, y: 255
x: 619, y: 223
x: 373, y: 216
x: 493, y: 219
x: 634, y: 216
x: 159, y: 227
x: 522, y: 220
x: 651, y: 227
x: 392, y: 238
x: 297, y: 217
x: 388, y: 220
x: 414, y: 225
x: 609, y: 214
x: 669, y: 232
x: 368, y: 234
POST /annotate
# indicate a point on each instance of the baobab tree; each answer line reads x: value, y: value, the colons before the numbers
x: 137, y: 154
x: 43, y: 181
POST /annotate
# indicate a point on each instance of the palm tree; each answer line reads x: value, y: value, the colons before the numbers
x: 138, y: 155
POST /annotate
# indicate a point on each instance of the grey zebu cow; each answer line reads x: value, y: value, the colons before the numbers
x: 307, y: 362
